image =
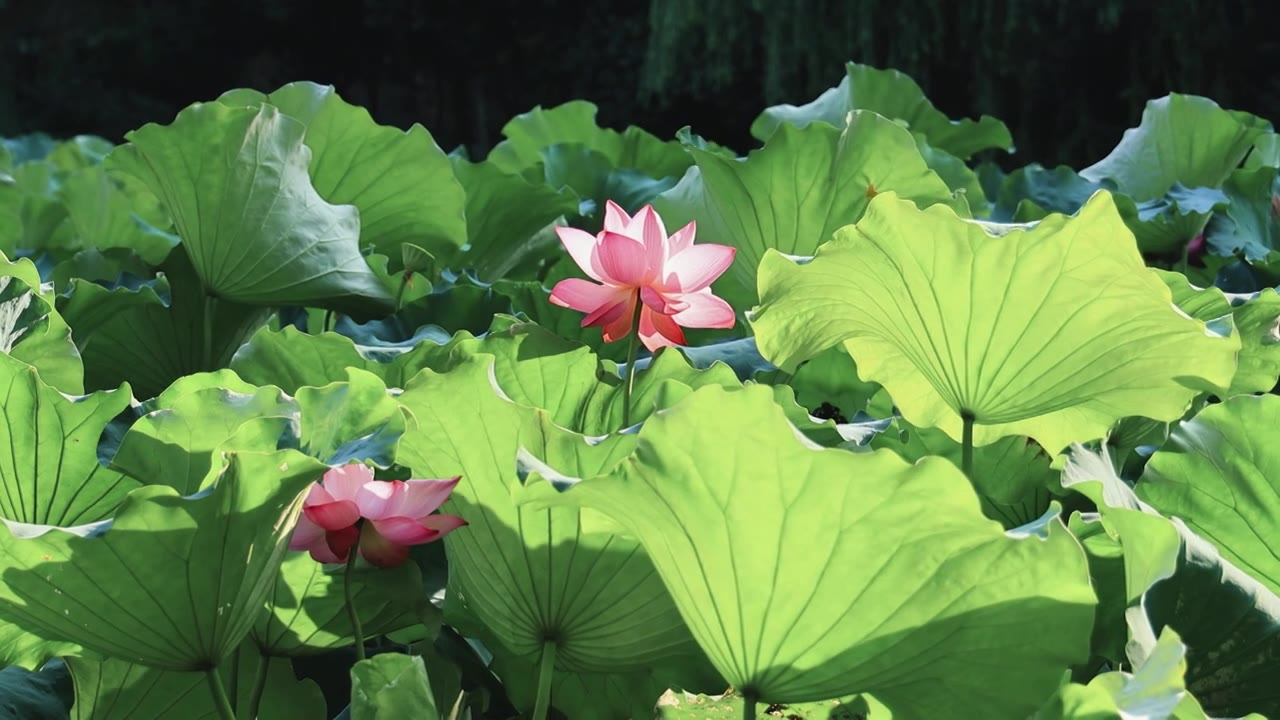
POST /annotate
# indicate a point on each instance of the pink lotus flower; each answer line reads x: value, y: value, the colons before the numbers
x: 395, y: 514
x: 633, y: 259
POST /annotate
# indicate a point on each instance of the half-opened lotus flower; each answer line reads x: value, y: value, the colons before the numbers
x: 635, y: 261
x: 386, y: 517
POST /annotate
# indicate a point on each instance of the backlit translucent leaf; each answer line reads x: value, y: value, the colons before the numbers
x: 1183, y: 139
x: 32, y: 331
x: 792, y: 194
x: 390, y: 686
x: 1056, y: 331
x: 532, y: 575
x: 199, y: 568
x: 49, y: 471
x: 1151, y: 692
x: 808, y: 574
x: 400, y: 181
x: 1221, y: 476
x: 235, y: 181
x: 895, y: 96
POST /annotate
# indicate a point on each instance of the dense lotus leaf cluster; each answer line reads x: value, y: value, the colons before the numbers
x: 853, y: 422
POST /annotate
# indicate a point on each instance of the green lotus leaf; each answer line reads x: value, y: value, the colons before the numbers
x: 956, y: 174
x: 1249, y: 226
x: 505, y: 216
x: 307, y: 612
x: 1011, y: 476
x: 400, y: 181
x: 235, y: 181
x: 594, y: 178
x: 290, y: 359
x: 200, y: 568
x: 119, y: 690
x: 35, y: 695
x: 1257, y: 320
x: 1107, y: 571
x: 103, y: 215
x: 49, y: 471
x: 1183, y: 139
x: 352, y: 421
x: 574, y: 122
x: 1054, y: 332
x: 583, y: 696
x: 1229, y: 621
x: 803, y: 588
x: 1153, y: 690
x: 1059, y: 190
x: 830, y: 378
x: 896, y: 96
x: 1167, y: 223
x: 1222, y: 478
x: 175, y: 443
x: 32, y: 331
x: 793, y: 193
x: 390, y: 686
x: 33, y: 216
x: 535, y: 576
x: 79, y: 152
x: 154, y: 334
x: 531, y: 300
x: 1266, y: 152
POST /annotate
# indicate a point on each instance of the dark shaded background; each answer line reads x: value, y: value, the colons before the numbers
x: 1068, y: 77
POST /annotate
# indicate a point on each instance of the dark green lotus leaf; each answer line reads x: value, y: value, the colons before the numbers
x: 1059, y: 190
x: 592, y: 176
x: 35, y: 695
x: 830, y: 378
x: 49, y: 471
x: 235, y: 181
x: 1167, y: 223
x: 950, y: 316
x: 797, y: 190
x: 896, y: 96
x: 531, y: 299
x: 103, y: 215
x: 1011, y: 476
x: 390, y: 686
x: 1183, y: 139
x: 400, y: 181
x: 574, y: 122
x: 352, y: 421
x: 533, y: 576
x: 589, y: 696
x: 1221, y: 476
x: 1250, y: 225
x: 32, y: 331
x: 888, y: 581
x: 307, y: 612
x: 200, y: 568
x: 30, y: 213
x: 154, y: 334
x: 1257, y: 320
x: 119, y: 690
x: 506, y: 216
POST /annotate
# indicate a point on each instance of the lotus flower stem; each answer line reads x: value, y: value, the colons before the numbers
x: 632, y: 352
x: 259, y: 684
x: 207, y: 349
x: 966, y: 444
x: 748, y: 706
x: 348, y: 579
x: 404, y: 283
x: 545, y: 670
x: 220, y: 699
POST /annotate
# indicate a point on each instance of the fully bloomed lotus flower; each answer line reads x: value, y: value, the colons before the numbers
x: 634, y: 260
x: 386, y: 517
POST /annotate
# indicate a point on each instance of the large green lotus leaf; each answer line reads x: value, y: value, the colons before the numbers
x: 391, y: 686
x: 1059, y: 190
x: 896, y: 96
x: 32, y: 331
x: 79, y: 152
x: 1166, y: 224
x: 103, y: 215
x: 307, y: 612
x: 505, y: 216
x: 290, y: 359
x: 32, y: 216
x: 235, y: 181
x: 49, y: 470
x: 574, y: 122
x: 956, y: 174
x: 1011, y: 476
x: 351, y: 421
x: 1174, y: 578
x: 1183, y: 139
x: 583, y: 696
x: 174, y: 444
x: 793, y: 193
x: 1250, y: 226
x: 1257, y: 319
x: 1055, y: 332
x: 1153, y: 690
x: 119, y: 690
x: 1266, y: 152
x: 400, y: 181
x: 808, y: 573
x: 1221, y: 476
x: 535, y: 575
x: 154, y: 334
x: 199, y: 568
